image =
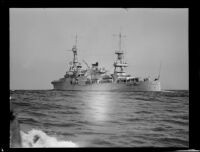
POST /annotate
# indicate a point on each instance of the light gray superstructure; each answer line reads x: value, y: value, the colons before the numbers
x: 95, y: 78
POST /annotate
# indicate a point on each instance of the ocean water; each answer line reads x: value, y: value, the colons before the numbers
x: 102, y: 119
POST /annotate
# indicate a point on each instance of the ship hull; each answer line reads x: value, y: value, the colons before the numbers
x: 141, y: 86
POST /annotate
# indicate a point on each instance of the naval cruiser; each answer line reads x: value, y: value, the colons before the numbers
x: 97, y: 78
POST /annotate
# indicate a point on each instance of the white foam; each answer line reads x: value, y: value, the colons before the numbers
x: 43, y: 140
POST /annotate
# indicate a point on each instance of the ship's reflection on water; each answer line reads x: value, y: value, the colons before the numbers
x: 98, y: 108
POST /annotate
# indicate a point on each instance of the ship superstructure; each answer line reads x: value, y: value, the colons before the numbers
x: 75, y: 68
x: 120, y: 63
x: 96, y: 78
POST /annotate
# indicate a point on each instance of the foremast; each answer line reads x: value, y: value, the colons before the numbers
x: 75, y: 68
x: 74, y: 50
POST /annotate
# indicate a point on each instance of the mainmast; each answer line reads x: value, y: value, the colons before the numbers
x: 120, y: 64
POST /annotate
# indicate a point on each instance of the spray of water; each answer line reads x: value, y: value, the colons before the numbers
x: 38, y: 138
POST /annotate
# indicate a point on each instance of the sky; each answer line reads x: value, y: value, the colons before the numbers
x: 40, y: 40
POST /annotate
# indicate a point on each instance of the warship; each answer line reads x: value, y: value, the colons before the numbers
x: 97, y: 78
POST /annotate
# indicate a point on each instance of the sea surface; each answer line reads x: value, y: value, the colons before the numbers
x: 102, y: 119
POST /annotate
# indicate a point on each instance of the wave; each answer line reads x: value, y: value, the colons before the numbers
x: 174, y: 141
x: 38, y: 138
x: 179, y: 122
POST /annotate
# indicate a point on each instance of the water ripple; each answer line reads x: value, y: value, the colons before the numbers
x: 108, y: 119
